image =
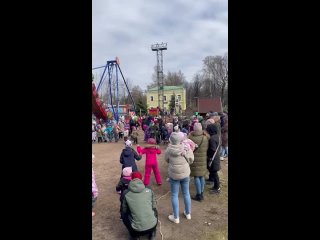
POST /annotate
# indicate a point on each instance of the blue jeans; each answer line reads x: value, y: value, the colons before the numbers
x: 199, y: 183
x: 224, y: 151
x: 175, y: 184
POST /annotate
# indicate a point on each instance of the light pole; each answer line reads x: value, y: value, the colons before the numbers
x: 159, y: 48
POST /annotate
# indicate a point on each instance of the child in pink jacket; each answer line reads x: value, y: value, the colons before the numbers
x: 151, y: 151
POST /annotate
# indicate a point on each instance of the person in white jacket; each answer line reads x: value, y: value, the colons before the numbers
x: 179, y: 159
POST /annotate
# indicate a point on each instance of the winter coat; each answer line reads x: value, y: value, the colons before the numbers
x: 213, y: 147
x: 179, y: 161
x: 121, y: 126
x: 224, y: 135
x: 123, y: 184
x: 151, y: 154
x: 139, y: 203
x: 217, y: 124
x: 154, y: 131
x: 134, y: 134
x: 199, y: 166
x: 99, y: 133
x: 128, y: 157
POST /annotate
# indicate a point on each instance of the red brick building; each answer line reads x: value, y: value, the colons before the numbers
x: 205, y: 105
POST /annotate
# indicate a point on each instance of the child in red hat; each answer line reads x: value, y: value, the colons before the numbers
x: 151, y: 151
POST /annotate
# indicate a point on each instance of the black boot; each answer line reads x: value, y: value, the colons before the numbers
x: 197, y: 197
x: 201, y: 196
x: 214, y: 191
x: 152, y: 235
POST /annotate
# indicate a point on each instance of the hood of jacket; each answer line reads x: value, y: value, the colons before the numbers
x: 175, y: 150
x: 127, y: 151
x: 136, y: 185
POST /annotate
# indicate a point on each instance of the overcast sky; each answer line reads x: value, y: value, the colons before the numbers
x: 127, y: 28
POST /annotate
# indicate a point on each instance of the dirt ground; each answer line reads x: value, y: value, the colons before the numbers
x: 106, y: 225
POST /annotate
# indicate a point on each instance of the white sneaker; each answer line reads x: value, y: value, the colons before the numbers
x: 172, y: 219
x: 221, y: 158
x: 188, y: 216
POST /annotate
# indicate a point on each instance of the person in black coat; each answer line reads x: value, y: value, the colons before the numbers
x: 214, y: 150
x: 128, y: 157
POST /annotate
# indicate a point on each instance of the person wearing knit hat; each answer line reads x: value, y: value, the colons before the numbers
x: 179, y: 170
x: 199, y: 166
x: 151, y: 151
x: 138, y: 209
x: 128, y: 156
x: 123, y: 184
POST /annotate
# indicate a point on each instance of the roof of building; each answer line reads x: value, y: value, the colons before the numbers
x: 206, y: 105
x: 167, y: 88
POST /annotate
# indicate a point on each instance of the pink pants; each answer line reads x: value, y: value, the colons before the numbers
x: 147, y: 173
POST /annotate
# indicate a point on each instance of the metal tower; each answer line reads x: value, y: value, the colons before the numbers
x: 158, y: 48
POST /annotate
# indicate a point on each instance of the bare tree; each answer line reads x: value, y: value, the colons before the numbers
x: 139, y: 97
x: 216, y: 74
x: 154, y: 78
x: 175, y: 78
x: 197, y: 85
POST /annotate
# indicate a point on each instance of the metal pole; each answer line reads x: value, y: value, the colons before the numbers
x: 99, y: 67
x: 102, y: 77
x: 117, y: 118
x: 134, y: 106
x: 110, y: 76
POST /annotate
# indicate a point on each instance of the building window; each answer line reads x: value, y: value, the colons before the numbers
x: 151, y: 98
x: 164, y: 98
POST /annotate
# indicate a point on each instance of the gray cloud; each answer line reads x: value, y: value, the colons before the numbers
x: 127, y: 28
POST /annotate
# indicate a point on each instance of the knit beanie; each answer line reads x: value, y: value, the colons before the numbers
x: 136, y: 175
x: 151, y: 141
x: 175, y: 138
x: 127, y: 171
x: 182, y: 136
x: 197, y: 127
x: 128, y: 143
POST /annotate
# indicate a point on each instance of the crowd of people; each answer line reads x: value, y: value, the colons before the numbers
x: 194, y: 147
